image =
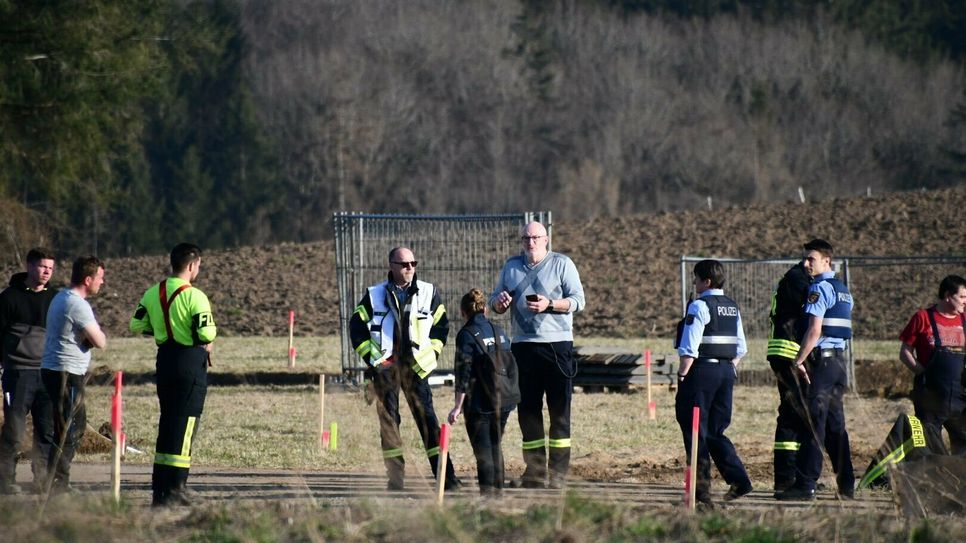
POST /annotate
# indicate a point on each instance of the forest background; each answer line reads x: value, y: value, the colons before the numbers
x: 129, y: 125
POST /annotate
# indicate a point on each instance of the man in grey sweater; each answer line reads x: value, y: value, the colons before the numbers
x: 542, y: 290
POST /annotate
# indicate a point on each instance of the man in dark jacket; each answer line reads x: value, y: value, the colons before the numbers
x: 786, y: 309
x: 399, y: 329
x: 23, y: 318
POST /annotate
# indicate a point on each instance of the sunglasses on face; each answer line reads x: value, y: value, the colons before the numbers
x: 407, y: 265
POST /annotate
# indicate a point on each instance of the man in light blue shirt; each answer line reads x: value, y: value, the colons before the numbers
x: 826, y: 328
x: 542, y: 290
x: 72, y: 331
x: 711, y: 344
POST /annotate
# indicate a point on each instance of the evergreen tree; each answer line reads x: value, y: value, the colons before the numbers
x: 211, y: 168
x: 72, y: 76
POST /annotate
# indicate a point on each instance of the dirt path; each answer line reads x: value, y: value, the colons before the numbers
x: 212, y: 485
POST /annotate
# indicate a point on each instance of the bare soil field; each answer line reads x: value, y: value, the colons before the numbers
x: 628, y: 265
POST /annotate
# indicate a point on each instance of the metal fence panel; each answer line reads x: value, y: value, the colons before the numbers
x: 750, y: 283
x: 455, y: 253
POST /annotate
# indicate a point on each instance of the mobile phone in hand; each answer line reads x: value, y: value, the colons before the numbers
x: 532, y: 297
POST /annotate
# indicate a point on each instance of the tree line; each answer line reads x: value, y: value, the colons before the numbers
x: 130, y: 125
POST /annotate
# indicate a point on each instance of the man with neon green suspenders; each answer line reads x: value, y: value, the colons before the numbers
x: 178, y: 315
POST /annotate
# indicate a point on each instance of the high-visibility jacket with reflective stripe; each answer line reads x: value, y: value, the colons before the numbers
x: 425, y: 316
x: 189, y: 313
x: 720, y: 339
x: 786, y: 308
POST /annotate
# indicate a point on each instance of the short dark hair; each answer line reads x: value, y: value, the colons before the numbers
x: 710, y: 269
x: 821, y: 246
x: 950, y: 285
x: 182, y: 255
x: 84, y: 267
x: 37, y: 254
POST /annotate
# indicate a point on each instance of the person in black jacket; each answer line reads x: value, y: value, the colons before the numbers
x: 399, y: 329
x: 487, y: 389
x: 23, y: 319
x: 786, y: 308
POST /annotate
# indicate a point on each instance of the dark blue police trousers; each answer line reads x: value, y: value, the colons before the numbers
x: 709, y: 385
x: 826, y: 424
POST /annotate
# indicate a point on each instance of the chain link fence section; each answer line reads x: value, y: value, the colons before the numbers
x: 887, y: 291
x: 455, y: 253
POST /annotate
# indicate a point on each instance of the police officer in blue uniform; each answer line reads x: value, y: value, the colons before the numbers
x: 825, y: 329
x: 711, y: 344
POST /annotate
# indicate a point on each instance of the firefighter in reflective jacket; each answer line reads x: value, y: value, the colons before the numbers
x: 786, y: 308
x: 178, y: 315
x: 399, y: 329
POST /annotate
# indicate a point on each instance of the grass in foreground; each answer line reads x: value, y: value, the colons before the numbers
x: 576, y: 518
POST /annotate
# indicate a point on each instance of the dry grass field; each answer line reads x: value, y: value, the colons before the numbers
x: 277, y: 427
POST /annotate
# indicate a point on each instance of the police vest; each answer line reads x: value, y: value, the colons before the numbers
x: 837, y: 321
x: 720, y: 339
x: 786, y: 308
x: 382, y: 326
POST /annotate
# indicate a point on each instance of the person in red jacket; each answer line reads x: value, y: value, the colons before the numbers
x: 933, y: 345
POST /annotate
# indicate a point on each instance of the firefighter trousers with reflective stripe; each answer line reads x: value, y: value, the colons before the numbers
x: 387, y: 383
x: 182, y: 374
x: 545, y: 369
x: 790, y: 425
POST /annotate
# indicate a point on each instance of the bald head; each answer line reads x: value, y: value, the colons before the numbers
x: 402, y: 265
x: 535, y: 241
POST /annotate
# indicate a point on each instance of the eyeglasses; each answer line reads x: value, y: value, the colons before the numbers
x: 406, y: 265
x: 525, y: 239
